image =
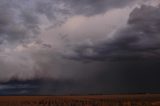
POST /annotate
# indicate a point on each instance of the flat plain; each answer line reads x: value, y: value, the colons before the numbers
x: 89, y: 100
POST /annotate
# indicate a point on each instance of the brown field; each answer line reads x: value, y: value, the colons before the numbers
x: 91, y: 100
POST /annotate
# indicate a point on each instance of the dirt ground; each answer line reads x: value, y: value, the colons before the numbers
x: 91, y: 100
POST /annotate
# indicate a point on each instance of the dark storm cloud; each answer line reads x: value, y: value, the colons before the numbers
x: 138, y: 40
x: 20, y: 19
x: 115, y: 78
x: 17, y: 24
x: 21, y: 24
x: 93, y: 7
x: 130, y: 58
x: 51, y: 8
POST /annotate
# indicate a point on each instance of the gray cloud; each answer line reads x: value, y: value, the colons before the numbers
x: 14, y: 25
x: 20, y: 20
x: 84, y: 30
x: 93, y: 7
x: 21, y: 24
x: 138, y: 40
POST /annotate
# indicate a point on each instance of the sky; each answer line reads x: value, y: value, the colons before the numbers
x: 63, y: 47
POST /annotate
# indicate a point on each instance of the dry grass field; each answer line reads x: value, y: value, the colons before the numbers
x: 92, y: 100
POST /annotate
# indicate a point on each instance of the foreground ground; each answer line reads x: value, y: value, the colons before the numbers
x: 91, y: 100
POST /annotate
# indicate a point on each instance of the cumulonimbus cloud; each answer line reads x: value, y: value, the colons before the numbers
x: 24, y: 54
x: 71, y: 46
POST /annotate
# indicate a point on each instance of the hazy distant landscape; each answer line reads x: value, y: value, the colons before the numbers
x: 41, y: 87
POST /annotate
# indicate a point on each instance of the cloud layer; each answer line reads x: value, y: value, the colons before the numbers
x: 81, y: 44
x: 32, y: 33
x: 139, y: 39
